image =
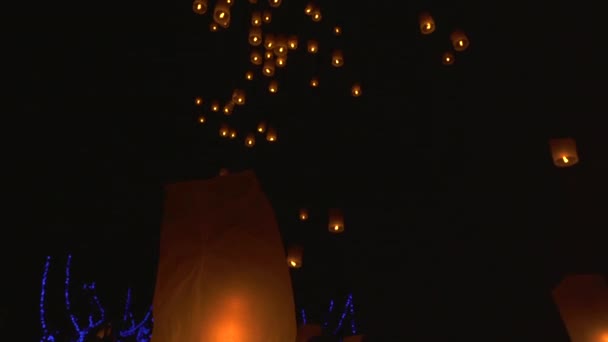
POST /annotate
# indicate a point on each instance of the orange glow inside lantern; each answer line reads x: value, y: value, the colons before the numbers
x: 564, y: 152
x: 447, y: 58
x: 314, y: 82
x: 238, y: 97
x: 337, y: 30
x: 268, y: 68
x: 267, y: 17
x: 274, y: 3
x: 271, y: 134
x: 249, y: 75
x: 281, y: 46
x: 336, y: 221
x: 460, y: 41
x: 202, y: 119
x: 316, y: 15
x: 313, y: 46
x: 261, y: 127
x: 273, y: 86
x: 221, y: 13
x: 269, y: 41
x: 198, y: 101
x: 199, y: 6
x: 309, y: 8
x: 356, y: 90
x: 303, y: 214
x: 256, y: 18
x: 294, y: 256
x: 256, y: 58
x: 255, y: 36
x: 228, y: 108
x: 250, y: 140
x: 281, y: 61
x: 292, y: 42
x: 224, y: 131
x: 268, y: 55
x: 215, y: 106
x: 337, y: 59
x: 427, y: 23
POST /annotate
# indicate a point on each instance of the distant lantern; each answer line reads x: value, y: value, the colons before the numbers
x: 230, y: 2
x: 269, y: 41
x: 224, y: 131
x: 337, y: 59
x: 337, y: 30
x: 267, y: 17
x: 268, y: 68
x: 564, y: 152
x: 336, y: 221
x: 309, y: 8
x: 314, y: 82
x: 198, y: 101
x: 460, y: 41
x: 274, y: 3
x: 281, y: 61
x: 199, y: 6
x: 292, y: 42
x: 215, y: 106
x: 255, y: 35
x: 294, y: 256
x: 281, y: 46
x: 271, y: 134
x: 221, y: 13
x: 250, y: 140
x: 427, y: 23
x: 256, y: 58
x: 228, y: 108
x: 313, y: 46
x: 202, y: 119
x: 256, y: 19
x: 273, y: 86
x: 223, y: 171
x: 213, y: 27
x: 268, y: 55
x: 447, y: 58
x: 249, y: 75
x: 355, y: 90
x: 303, y: 214
x: 261, y: 127
x: 232, y: 134
x: 316, y: 14
x: 238, y: 97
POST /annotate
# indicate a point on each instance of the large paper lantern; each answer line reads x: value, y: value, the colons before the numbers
x: 199, y: 6
x: 583, y: 305
x: 336, y: 221
x: 294, y: 256
x: 303, y: 214
x: 308, y: 331
x: 426, y: 23
x: 221, y: 13
x: 221, y: 273
x: 564, y: 152
x: 460, y: 41
x: 274, y: 3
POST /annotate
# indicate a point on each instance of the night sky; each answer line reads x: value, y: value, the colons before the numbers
x: 457, y: 223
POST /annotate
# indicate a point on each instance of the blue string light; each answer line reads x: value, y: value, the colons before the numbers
x: 331, y: 308
x: 45, y: 274
x: 346, y: 309
x: 303, y: 316
x: 353, y: 327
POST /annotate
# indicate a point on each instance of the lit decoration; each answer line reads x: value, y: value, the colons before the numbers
x: 582, y: 301
x: 281, y: 46
x: 303, y: 316
x: 460, y: 41
x: 268, y: 68
x: 337, y: 30
x: 271, y: 134
x: 274, y: 3
x: 303, y: 215
x: 281, y: 61
x: 314, y: 82
x: 273, y: 86
x: 268, y: 55
x: 316, y: 15
x: 447, y: 58
x: 329, y: 311
x: 255, y: 36
x: 312, y: 46
x: 224, y: 130
x: 336, y: 221
x: 269, y: 41
x: 267, y: 17
x: 232, y: 134
x: 309, y: 8
x: 355, y: 90
x: 427, y: 23
x: 221, y: 13
x: 199, y: 6
x: 261, y: 127
x: 256, y: 58
x: 202, y: 119
x: 250, y: 140
x: 249, y: 75
x: 215, y: 106
x: 292, y: 42
x: 256, y: 18
x: 228, y: 108
x: 45, y: 331
x: 564, y: 152
x: 229, y: 2
x: 198, y: 101
x: 337, y: 59
x: 213, y: 27
x: 294, y: 256
x: 238, y: 97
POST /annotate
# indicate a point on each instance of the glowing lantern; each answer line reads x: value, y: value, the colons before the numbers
x: 314, y: 82
x: 255, y: 36
x: 233, y: 134
x: 303, y: 215
x: 215, y: 106
x: 221, y: 13
x: 199, y: 6
x: 460, y: 41
x: 228, y: 108
x: 564, y: 152
x: 337, y: 59
x: 292, y: 42
x: 198, y: 101
x: 238, y: 97
x: 309, y: 8
x: 274, y: 3
x: 273, y: 86
x: 337, y: 30
x: 268, y: 55
x: 250, y: 140
x: 261, y: 127
x: 316, y: 15
x: 201, y: 119
x: 249, y: 75
x: 267, y: 17
x: 213, y: 27
x: 294, y: 256
x: 583, y: 305
x: 336, y: 221
x: 256, y: 19
x: 223, y: 172
x: 355, y: 90
x: 281, y: 61
x: 269, y: 41
x: 280, y: 47
x: 313, y: 46
x: 256, y: 58
x: 268, y: 68
x: 447, y: 58
x: 224, y: 131
x: 271, y: 134
x: 426, y: 22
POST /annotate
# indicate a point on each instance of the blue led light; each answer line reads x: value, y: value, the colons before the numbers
x: 303, y: 316
x: 45, y: 274
x: 346, y: 309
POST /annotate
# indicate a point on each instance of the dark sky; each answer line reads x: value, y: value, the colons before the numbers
x: 457, y: 222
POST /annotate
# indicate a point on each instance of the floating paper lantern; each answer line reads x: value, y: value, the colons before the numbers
x: 256, y: 58
x: 268, y: 55
x: 267, y: 17
x: 355, y: 90
x: 292, y: 42
x: 281, y: 61
x: 294, y: 256
x: 337, y: 30
x: 280, y: 47
x: 223, y: 171
x: 337, y: 59
x: 232, y: 134
x: 564, y: 152
x: 316, y: 15
x: 314, y: 82
x: 303, y: 214
x: 426, y: 22
x: 269, y: 41
x: 261, y: 128
x: 250, y: 140
x: 271, y: 134
x: 221, y: 13
x: 312, y: 46
x: 249, y: 75
x: 198, y: 101
x: 199, y: 6
x: 268, y: 68
x: 238, y: 97
x: 255, y: 35
x: 213, y: 27
x: 274, y: 3
x: 256, y: 18
x: 336, y: 221
x: 460, y: 41
x: 202, y: 119
x: 273, y: 86
x: 224, y: 130
x: 309, y: 8
x: 215, y: 106
x: 447, y: 58
x: 228, y: 108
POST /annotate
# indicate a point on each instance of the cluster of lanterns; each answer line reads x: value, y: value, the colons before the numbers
x: 269, y: 52
x: 460, y: 41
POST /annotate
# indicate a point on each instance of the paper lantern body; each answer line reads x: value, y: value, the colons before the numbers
x: 583, y: 305
x: 460, y: 41
x: 564, y: 152
x: 221, y: 273
x: 199, y: 6
x: 308, y: 331
x: 221, y: 13
x: 426, y: 23
x: 294, y: 256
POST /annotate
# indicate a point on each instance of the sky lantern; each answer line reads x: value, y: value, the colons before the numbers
x: 213, y: 27
x: 337, y: 58
x: 199, y: 6
x: 266, y: 17
x: 427, y: 23
x: 460, y: 41
x: 336, y: 221
x: 274, y: 3
x: 261, y: 128
x: 447, y: 58
x: 250, y: 140
x: 294, y: 256
x: 269, y: 41
x: 256, y: 18
x: 215, y: 106
x: 316, y: 14
x: 228, y: 108
x: 224, y: 131
x: 238, y: 97
x: 198, y: 101
x: 249, y: 75
x: 292, y: 42
x: 221, y: 13
x: 281, y: 46
x: 255, y: 57
x: 309, y: 8
x: 202, y: 119
x: 271, y: 134
x: 255, y: 36
x: 303, y: 214
x: 281, y: 61
x: 312, y: 46
x: 268, y: 68
x: 314, y: 82
x: 337, y: 30
x: 582, y: 300
x: 355, y: 90
x: 268, y: 55
x: 273, y: 86
x: 564, y: 152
